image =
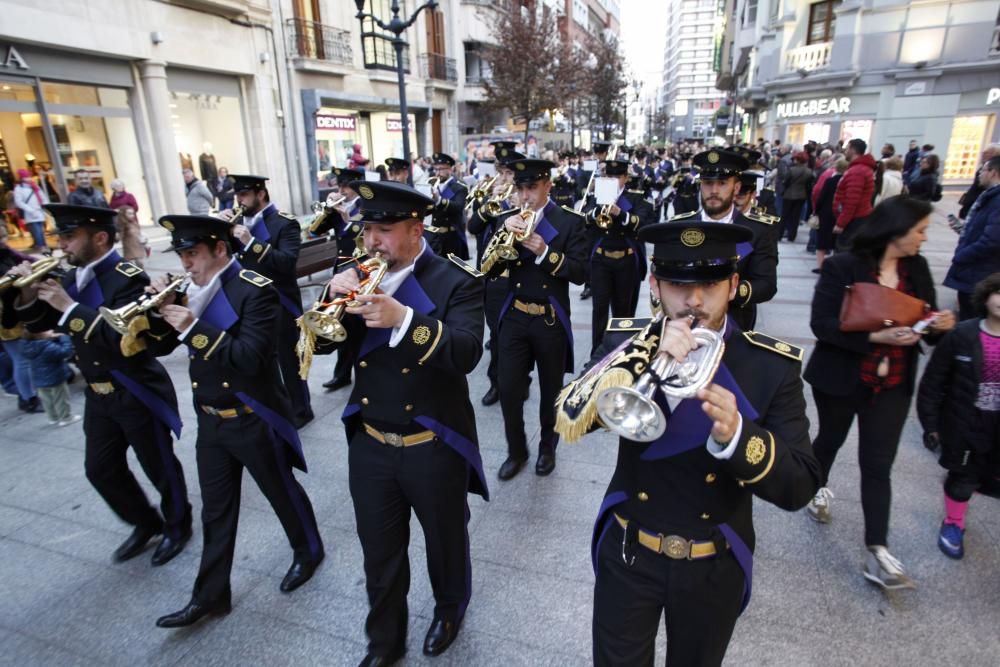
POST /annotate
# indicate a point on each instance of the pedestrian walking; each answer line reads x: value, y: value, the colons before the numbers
x: 48, y: 354
x: 199, y: 197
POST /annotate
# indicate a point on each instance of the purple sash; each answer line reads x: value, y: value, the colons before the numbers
x: 160, y: 408
x: 92, y: 295
x: 409, y: 293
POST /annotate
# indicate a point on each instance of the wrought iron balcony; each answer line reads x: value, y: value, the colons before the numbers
x: 309, y: 39
x: 437, y: 66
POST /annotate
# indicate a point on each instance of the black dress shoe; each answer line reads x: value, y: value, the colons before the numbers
x: 336, y: 383
x: 371, y: 660
x: 546, y: 462
x: 440, y: 636
x: 193, y: 613
x: 31, y: 406
x: 169, y: 547
x: 511, y: 467
x: 303, y: 419
x: 136, y: 542
x: 299, y: 573
x: 492, y: 396
x: 585, y: 294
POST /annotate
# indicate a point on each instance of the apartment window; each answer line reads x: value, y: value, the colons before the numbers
x: 751, y: 14
x: 821, y: 21
x: 775, y: 10
x: 377, y: 43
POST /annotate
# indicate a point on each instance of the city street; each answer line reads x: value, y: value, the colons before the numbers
x: 63, y: 601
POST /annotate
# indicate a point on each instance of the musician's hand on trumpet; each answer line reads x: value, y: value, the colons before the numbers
x: 720, y: 405
x: 242, y: 234
x: 677, y: 340
x: 379, y: 311
x: 158, y: 285
x: 52, y: 293
x: 342, y: 283
x: 533, y: 242
x: 179, y: 317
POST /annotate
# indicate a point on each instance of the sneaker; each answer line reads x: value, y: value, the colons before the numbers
x: 883, y: 569
x: 819, y: 506
x: 71, y: 420
x: 53, y: 422
x: 950, y: 541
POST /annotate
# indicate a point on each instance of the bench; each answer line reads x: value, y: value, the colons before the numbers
x: 315, y: 256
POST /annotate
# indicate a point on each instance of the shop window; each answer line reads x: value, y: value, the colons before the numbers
x: 67, y: 93
x: 377, y: 43
x: 856, y: 129
x: 208, y: 133
x: 821, y: 21
x: 965, y: 147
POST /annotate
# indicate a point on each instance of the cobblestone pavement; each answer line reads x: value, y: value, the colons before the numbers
x: 63, y: 602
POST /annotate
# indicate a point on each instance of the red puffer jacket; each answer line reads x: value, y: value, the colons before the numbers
x: 854, y: 192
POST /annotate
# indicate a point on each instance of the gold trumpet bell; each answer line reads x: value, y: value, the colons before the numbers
x: 324, y: 324
x: 119, y: 318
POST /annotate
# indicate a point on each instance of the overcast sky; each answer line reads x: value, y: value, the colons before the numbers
x: 643, y: 32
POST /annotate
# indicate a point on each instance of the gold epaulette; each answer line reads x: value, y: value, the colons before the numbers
x: 572, y: 210
x: 128, y: 268
x: 465, y: 266
x: 760, y: 216
x: 286, y: 215
x: 255, y: 278
x: 628, y: 323
x: 683, y: 216
x: 774, y: 345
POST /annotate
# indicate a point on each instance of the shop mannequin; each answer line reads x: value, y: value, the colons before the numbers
x: 206, y: 163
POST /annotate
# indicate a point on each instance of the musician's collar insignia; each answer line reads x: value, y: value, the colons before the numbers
x: 628, y: 323
x: 255, y: 278
x: 462, y: 264
x: 774, y: 345
x: 128, y: 268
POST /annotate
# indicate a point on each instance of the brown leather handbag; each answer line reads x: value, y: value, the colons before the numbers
x: 873, y: 307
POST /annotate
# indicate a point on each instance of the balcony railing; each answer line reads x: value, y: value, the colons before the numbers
x: 476, y: 79
x: 309, y: 39
x: 437, y: 66
x: 808, y: 58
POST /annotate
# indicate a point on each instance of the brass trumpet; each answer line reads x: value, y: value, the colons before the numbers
x: 322, y: 210
x: 323, y: 319
x: 39, y: 269
x: 479, y: 193
x: 494, y: 205
x: 501, y: 246
x: 120, y: 318
x: 237, y: 218
x: 632, y: 412
x: 603, y: 218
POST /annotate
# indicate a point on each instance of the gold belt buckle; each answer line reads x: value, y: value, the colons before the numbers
x: 394, y: 439
x: 674, y: 546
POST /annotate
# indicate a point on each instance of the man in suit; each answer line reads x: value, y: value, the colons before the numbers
x: 758, y: 268
x: 410, y: 425
x: 130, y: 400
x: 244, y: 417
x: 268, y: 242
x: 617, y: 259
x: 534, y: 325
x: 674, y: 535
x: 447, y: 231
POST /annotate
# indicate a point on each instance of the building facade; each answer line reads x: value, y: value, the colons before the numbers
x: 882, y: 70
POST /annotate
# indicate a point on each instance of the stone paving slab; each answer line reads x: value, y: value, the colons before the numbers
x: 63, y: 602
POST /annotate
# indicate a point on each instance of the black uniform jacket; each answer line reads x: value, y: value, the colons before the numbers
x: 674, y: 486
x: 565, y: 262
x: 423, y: 378
x: 233, y: 353
x: 273, y: 252
x: 835, y: 365
x: 99, y: 353
x: 449, y: 215
x: 635, y: 214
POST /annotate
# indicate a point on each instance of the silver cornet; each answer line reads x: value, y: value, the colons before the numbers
x: 632, y: 412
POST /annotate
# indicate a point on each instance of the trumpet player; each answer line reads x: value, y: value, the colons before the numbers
x: 617, y: 257
x: 564, y: 183
x: 129, y: 400
x: 268, y: 241
x: 446, y: 233
x: 674, y: 535
x: 534, y: 321
x: 398, y: 169
x: 244, y: 416
x: 410, y: 425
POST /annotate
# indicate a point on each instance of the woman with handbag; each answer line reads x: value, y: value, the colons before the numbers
x: 871, y: 373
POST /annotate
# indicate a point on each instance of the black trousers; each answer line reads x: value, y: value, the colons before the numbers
x: 345, y: 362
x: 387, y: 482
x: 526, y: 341
x: 113, y: 422
x: 881, y: 417
x: 224, y: 448
x: 700, y: 601
x: 791, y: 216
x: 288, y: 361
x: 496, y: 292
x: 614, y: 283
x: 966, y: 311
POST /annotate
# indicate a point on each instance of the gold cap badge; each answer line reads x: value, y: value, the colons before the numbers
x: 692, y: 238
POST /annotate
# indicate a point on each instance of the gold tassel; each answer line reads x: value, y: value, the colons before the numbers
x: 572, y: 429
x: 305, y: 349
x: 131, y: 344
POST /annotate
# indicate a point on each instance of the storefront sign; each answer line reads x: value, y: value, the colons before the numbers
x: 394, y: 124
x: 13, y: 60
x: 330, y: 122
x: 822, y: 107
x: 993, y: 97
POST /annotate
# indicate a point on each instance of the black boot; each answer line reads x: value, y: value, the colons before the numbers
x: 31, y: 406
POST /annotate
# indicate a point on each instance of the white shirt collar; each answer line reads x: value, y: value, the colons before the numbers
x: 258, y: 216
x: 727, y: 219
x: 86, y: 274
x: 198, y: 297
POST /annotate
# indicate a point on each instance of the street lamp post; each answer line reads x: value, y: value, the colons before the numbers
x: 397, y: 26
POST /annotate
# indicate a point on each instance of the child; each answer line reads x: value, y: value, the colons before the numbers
x: 959, y: 407
x: 48, y: 352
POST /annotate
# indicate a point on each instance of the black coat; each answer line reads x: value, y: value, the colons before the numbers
x: 946, y: 402
x: 449, y: 218
x: 924, y: 186
x: 622, y: 233
x: 273, y: 252
x: 423, y: 379
x: 835, y: 365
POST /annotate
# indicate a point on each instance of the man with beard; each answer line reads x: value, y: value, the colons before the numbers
x: 447, y: 231
x: 130, y: 400
x: 267, y: 242
x: 758, y: 264
x: 746, y: 197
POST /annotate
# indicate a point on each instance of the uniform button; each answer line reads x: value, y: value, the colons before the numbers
x: 191, y: 357
x: 706, y: 516
x: 408, y: 408
x: 519, y: 262
x: 194, y: 385
x: 405, y: 371
x: 225, y: 385
x: 643, y: 496
x: 709, y: 478
x: 364, y: 401
x: 97, y: 363
x: 518, y: 285
x: 544, y: 286
x: 363, y: 364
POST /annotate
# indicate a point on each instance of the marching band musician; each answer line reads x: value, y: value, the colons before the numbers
x: 720, y: 181
x: 244, y: 416
x: 447, y: 231
x: 399, y: 169
x: 617, y: 258
x: 534, y: 322
x: 685, y: 187
x: 745, y: 199
x: 410, y: 425
x: 130, y: 400
x: 268, y: 242
x: 674, y: 535
x: 564, y: 184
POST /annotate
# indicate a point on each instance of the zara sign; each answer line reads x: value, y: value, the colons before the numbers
x: 12, y: 59
x: 820, y: 107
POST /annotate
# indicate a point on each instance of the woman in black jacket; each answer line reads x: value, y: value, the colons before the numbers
x: 870, y: 375
x: 959, y: 408
x: 925, y: 185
